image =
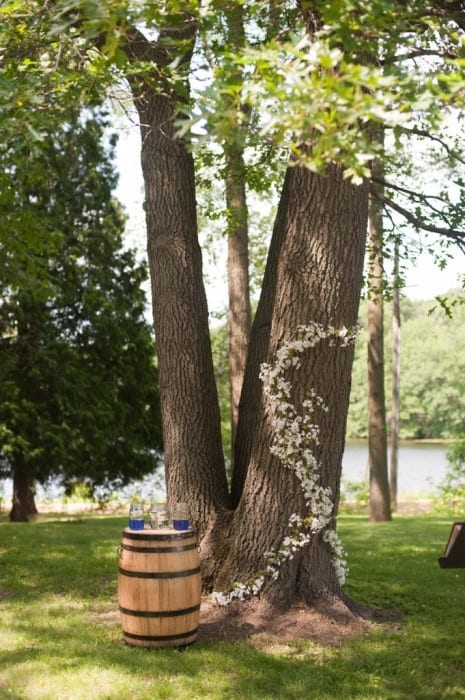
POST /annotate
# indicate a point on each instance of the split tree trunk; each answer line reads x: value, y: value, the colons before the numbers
x: 314, y: 273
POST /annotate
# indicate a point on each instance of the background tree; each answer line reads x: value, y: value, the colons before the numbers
x: 432, y: 354
x: 395, y: 376
x: 380, y: 505
x: 239, y: 311
x: 74, y: 343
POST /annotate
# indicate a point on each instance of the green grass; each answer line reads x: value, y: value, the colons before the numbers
x: 60, y: 637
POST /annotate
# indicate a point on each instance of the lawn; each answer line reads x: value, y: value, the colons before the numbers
x: 60, y: 637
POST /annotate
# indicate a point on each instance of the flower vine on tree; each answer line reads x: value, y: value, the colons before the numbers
x: 294, y: 437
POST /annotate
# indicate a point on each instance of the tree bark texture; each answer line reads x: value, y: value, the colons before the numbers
x: 380, y: 503
x: 313, y: 273
x: 193, y: 452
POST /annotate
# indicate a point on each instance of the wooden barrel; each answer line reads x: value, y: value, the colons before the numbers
x: 159, y: 587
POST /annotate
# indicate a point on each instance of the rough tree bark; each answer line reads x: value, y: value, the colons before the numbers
x: 193, y: 452
x: 314, y: 273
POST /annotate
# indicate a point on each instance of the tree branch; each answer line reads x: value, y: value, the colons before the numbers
x: 454, y: 234
x: 418, y: 53
x: 427, y: 135
x: 424, y: 199
x: 411, y: 193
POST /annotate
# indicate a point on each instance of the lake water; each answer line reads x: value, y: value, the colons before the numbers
x: 421, y: 466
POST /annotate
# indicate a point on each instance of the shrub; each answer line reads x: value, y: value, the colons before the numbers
x: 452, y: 489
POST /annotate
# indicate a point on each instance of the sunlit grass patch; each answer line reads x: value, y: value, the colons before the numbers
x: 41, y: 679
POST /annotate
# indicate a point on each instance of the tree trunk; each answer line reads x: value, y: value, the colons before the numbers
x: 31, y: 505
x: 380, y: 505
x: 193, y: 454
x: 21, y: 495
x: 395, y: 399
x: 313, y: 273
x: 239, y: 314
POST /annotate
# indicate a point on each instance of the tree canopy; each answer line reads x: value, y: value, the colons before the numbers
x: 74, y: 342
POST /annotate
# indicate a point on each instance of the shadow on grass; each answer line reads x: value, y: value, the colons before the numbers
x: 77, y: 556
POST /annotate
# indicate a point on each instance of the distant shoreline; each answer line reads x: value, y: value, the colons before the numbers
x: 410, y: 441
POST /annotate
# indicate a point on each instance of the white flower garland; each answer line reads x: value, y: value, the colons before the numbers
x: 294, y: 437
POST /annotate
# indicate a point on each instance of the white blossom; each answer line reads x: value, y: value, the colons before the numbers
x: 292, y: 435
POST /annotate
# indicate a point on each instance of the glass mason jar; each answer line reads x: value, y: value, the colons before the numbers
x: 159, y: 517
x: 181, y: 516
x: 136, y: 516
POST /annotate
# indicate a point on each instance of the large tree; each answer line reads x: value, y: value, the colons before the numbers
x: 74, y: 342
x: 310, y: 235
x: 318, y: 96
